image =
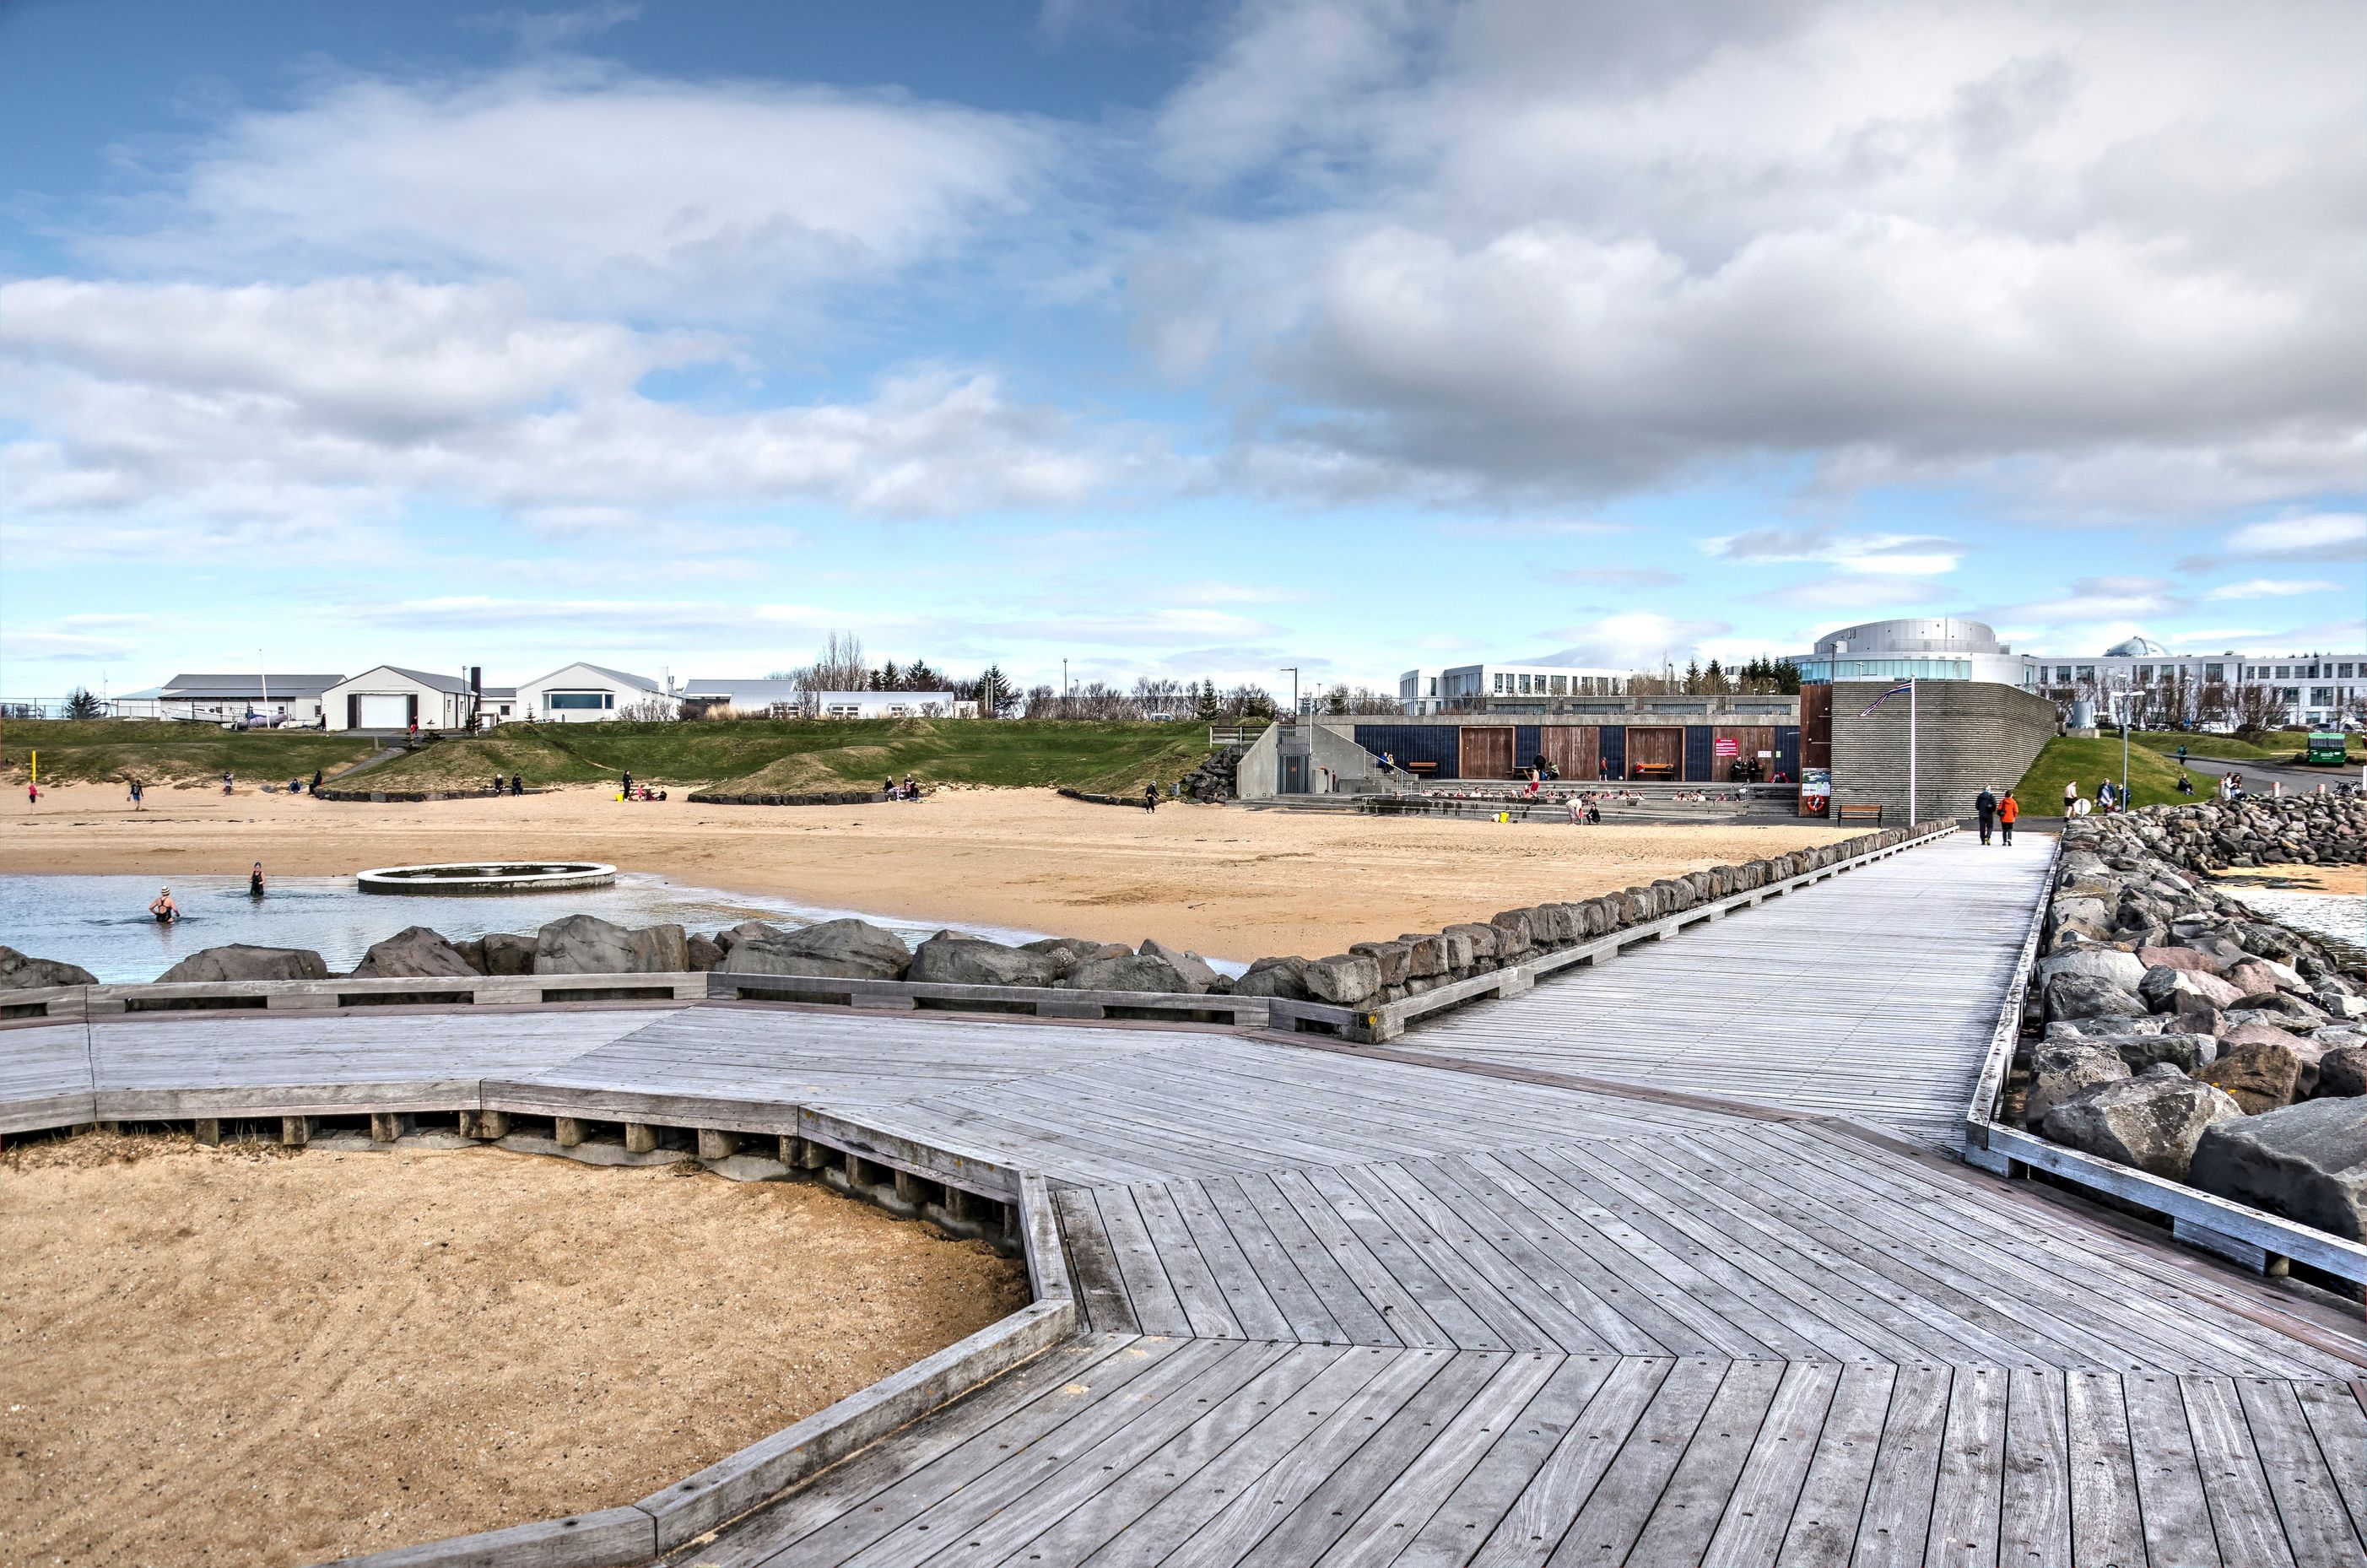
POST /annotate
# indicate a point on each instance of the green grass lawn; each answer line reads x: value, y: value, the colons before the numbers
x: 2283, y: 746
x: 161, y: 751
x: 2152, y: 778
x: 756, y: 756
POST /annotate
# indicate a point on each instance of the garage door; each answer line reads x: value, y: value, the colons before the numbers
x: 380, y: 712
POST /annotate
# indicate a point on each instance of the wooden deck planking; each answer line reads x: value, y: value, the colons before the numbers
x: 1846, y: 998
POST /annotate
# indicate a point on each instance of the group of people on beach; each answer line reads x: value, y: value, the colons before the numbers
x: 910, y: 790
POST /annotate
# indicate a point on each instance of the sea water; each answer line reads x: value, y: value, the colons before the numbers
x: 102, y: 923
x: 2337, y: 920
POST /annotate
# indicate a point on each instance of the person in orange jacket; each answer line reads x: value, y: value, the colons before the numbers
x: 2008, y: 808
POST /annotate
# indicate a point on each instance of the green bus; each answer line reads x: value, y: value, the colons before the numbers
x: 2326, y: 751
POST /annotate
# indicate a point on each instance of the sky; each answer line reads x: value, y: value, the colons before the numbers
x: 1171, y: 340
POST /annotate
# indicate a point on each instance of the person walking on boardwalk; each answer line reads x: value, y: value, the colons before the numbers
x: 2009, y: 811
x: 1984, y: 807
x: 2070, y: 798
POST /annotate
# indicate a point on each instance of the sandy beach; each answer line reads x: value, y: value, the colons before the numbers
x: 1225, y: 882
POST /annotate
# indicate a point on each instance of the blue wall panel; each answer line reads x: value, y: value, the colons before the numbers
x: 1614, y: 750
x: 1414, y: 742
x: 1787, y: 750
x: 1527, y: 740
x: 1700, y: 753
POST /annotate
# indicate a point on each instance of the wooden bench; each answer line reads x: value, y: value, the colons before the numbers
x: 1859, y: 811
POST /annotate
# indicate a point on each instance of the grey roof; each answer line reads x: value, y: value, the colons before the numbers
x: 751, y: 689
x: 452, y: 684
x: 205, y: 686
x: 644, y: 682
x: 886, y: 695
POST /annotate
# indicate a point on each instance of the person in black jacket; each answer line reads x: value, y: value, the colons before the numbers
x: 1984, y: 807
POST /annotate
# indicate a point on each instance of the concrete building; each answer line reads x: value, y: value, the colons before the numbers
x: 1503, y: 688
x: 1969, y: 736
x: 743, y: 695
x: 2316, y: 688
x: 394, y: 698
x: 225, y: 699
x: 585, y: 694
x: 1700, y: 740
x: 891, y: 705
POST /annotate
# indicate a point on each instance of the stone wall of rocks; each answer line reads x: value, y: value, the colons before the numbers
x: 1367, y: 974
x: 2187, y: 1038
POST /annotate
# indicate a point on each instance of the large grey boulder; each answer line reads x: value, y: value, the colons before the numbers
x: 415, y: 950
x: 1122, y: 970
x: 20, y: 971
x: 586, y: 944
x: 947, y: 958
x: 509, y: 953
x: 240, y: 961
x: 2187, y: 959
x: 2063, y: 1070
x: 2152, y: 1122
x: 1518, y: 933
x: 1283, y: 977
x: 1344, y: 979
x: 1394, y: 958
x: 1194, y: 969
x: 2305, y: 1161
x: 2186, y: 1053
x: 2108, y: 964
x: 838, y: 949
x: 706, y: 953
x: 2075, y: 1029
x: 2083, y: 997
x: 1425, y: 955
x: 2168, y: 990
x: 1485, y: 942
x: 2279, y: 1007
x: 2342, y: 1071
x: 1070, y: 947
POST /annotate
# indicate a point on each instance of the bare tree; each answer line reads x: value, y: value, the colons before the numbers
x: 2258, y: 707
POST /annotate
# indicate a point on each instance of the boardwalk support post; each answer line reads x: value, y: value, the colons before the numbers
x: 484, y: 1125
x: 640, y: 1138
x: 387, y: 1126
x: 570, y: 1131
x: 714, y: 1144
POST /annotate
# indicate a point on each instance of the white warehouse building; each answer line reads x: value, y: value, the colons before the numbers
x: 392, y: 698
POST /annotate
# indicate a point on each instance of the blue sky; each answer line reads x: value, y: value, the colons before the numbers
x: 1170, y: 339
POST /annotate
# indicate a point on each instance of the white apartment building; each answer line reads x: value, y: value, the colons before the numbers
x: 1468, y: 687
x: 2316, y: 690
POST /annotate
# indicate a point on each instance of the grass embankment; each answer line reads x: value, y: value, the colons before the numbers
x: 786, y: 756
x: 2152, y: 778
x: 163, y: 751
x: 2285, y: 747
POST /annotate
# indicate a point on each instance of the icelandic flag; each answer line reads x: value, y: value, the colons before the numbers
x: 1899, y: 689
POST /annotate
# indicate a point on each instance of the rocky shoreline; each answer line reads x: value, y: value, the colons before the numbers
x: 1367, y: 974
x: 2186, y: 1037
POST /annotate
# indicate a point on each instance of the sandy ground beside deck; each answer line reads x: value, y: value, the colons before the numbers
x: 225, y: 1356
x: 1222, y: 881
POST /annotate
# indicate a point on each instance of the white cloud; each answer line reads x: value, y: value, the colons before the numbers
x: 1618, y: 576
x: 1530, y: 247
x: 2271, y: 588
x: 1865, y: 554
x: 2327, y: 536
x: 183, y: 420
x: 594, y: 188
x: 1632, y: 640
x: 1864, y: 595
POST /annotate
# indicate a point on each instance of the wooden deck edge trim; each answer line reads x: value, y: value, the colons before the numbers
x: 2273, y: 1235
x: 757, y: 1473
x: 2332, y: 1328
x: 1248, y: 1012
x: 603, y: 1539
x: 2006, y: 1037
x: 48, y: 1112
x: 1389, y: 1020
x: 706, y: 1499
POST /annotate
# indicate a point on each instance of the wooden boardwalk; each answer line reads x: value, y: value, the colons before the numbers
x: 1849, y: 1001
x: 1431, y: 1306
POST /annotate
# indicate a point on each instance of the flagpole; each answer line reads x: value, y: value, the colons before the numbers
x: 1910, y: 751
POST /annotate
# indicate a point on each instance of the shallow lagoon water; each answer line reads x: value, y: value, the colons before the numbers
x: 2336, y: 919
x: 101, y: 922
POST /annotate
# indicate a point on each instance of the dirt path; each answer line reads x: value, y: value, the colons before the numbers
x: 225, y: 1356
x: 1225, y: 882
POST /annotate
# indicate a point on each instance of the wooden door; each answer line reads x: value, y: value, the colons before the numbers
x: 1655, y: 752
x: 1487, y: 752
x: 1571, y: 749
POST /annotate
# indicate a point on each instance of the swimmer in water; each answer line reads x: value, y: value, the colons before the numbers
x: 254, y: 881
x: 165, y: 909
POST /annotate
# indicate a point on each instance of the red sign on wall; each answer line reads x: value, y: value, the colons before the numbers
x: 1726, y: 745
